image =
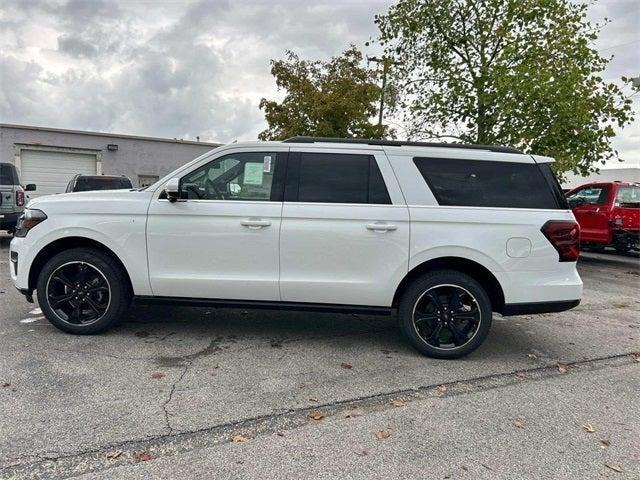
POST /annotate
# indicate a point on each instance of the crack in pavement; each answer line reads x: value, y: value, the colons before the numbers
x: 97, y: 459
x: 170, y: 397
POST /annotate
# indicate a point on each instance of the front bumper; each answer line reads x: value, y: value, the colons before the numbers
x: 8, y: 221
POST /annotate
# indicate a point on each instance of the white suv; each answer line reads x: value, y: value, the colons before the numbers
x: 444, y: 235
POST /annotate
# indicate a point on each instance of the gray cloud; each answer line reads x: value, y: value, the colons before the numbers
x: 181, y: 69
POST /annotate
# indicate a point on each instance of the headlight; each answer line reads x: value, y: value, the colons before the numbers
x: 29, y: 219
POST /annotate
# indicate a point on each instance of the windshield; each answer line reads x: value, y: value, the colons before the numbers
x: 85, y: 184
x: 628, y: 195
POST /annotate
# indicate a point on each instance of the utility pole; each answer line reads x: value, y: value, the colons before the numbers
x: 386, y: 62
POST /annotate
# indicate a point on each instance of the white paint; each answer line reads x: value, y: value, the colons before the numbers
x: 35, y: 311
x: 307, y: 252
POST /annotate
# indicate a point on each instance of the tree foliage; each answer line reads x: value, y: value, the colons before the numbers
x: 514, y: 72
x: 336, y: 98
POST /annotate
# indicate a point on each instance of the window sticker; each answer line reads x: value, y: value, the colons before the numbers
x: 267, y: 164
x: 253, y: 173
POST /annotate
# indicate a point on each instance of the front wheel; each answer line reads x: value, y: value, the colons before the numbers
x: 83, y: 291
x: 445, y: 314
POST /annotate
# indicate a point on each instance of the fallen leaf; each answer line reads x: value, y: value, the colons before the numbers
x: 114, y: 455
x: 316, y: 415
x: 615, y: 468
x: 142, y: 456
x: 441, y: 388
x: 280, y: 434
x: 6, y: 384
x: 382, y: 434
x: 636, y: 356
x: 398, y: 403
x: 588, y: 428
x: 605, y: 443
x: 157, y: 375
x: 312, y: 399
x: 519, y: 423
x: 346, y: 366
x: 521, y: 375
x: 239, y: 438
x: 563, y: 368
x: 362, y: 453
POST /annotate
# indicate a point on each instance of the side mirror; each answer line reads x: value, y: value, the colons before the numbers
x: 172, y: 189
x: 31, y: 187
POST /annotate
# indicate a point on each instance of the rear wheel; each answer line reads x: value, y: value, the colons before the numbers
x: 83, y: 291
x: 445, y: 314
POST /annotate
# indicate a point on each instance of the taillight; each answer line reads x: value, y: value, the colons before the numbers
x: 564, y: 235
x: 20, y: 198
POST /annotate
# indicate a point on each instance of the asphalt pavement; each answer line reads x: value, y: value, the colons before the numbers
x: 207, y: 392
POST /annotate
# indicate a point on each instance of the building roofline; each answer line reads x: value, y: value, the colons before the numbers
x: 108, y: 135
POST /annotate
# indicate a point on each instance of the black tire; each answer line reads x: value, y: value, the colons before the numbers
x: 471, y: 316
x: 102, y: 306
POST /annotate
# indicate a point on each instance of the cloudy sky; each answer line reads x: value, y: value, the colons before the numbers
x: 199, y: 68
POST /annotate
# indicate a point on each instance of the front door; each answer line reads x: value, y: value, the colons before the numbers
x: 590, y: 206
x: 345, y: 229
x: 220, y: 239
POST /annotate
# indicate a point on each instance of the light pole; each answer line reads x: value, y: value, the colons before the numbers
x: 386, y: 62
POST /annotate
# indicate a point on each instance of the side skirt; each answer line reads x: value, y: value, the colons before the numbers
x: 262, y: 305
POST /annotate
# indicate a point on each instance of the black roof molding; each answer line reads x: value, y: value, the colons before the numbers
x: 400, y: 143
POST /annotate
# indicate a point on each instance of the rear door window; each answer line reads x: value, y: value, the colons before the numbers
x: 337, y: 178
x: 481, y: 183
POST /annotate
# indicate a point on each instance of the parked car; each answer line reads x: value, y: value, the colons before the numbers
x: 608, y: 214
x: 12, y: 196
x: 443, y: 235
x: 86, y: 183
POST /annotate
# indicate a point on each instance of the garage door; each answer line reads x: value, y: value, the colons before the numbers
x: 52, y: 171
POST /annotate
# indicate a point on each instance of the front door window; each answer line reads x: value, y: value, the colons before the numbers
x: 245, y: 176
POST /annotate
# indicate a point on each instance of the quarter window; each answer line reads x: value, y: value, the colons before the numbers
x: 245, y: 176
x: 340, y: 178
x: 482, y: 183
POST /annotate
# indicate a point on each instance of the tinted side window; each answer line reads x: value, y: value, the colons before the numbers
x: 340, y: 178
x: 480, y: 183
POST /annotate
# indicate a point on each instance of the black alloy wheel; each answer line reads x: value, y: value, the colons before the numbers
x: 78, y: 293
x: 83, y: 290
x: 446, y: 316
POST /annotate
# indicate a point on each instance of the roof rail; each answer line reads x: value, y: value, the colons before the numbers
x: 400, y: 143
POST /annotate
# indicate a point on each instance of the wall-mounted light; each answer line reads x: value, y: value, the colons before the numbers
x: 112, y: 147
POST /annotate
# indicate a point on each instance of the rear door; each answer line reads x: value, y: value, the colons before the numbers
x: 8, y: 183
x: 591, y: 205
x: 345, y: 229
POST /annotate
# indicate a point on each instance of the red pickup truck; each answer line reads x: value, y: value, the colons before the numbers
x: 608, y: 214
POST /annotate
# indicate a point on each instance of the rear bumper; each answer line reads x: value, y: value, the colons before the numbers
x: 8, y: 220
x: 538, y: 307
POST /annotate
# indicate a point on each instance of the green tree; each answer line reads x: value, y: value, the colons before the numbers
x: 514, y: 72
x: 336, y: 98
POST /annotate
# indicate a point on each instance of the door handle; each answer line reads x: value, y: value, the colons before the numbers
x: 255, y: 223
x: 381, y: 227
